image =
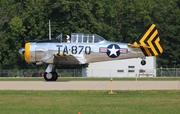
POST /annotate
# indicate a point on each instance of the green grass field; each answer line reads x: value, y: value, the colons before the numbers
x: 89, y: 102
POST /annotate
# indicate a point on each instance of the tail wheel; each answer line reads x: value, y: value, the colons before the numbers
x: 143, y: 62
x: 51, y: 76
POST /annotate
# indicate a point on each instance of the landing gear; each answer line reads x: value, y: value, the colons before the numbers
x: 50, y: 73
x: 51, y: 76
x: 143, y: 62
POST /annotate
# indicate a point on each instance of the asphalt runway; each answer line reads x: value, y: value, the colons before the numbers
x: 90, y: 85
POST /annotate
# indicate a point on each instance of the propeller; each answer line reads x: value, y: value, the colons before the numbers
x: 22, y: 51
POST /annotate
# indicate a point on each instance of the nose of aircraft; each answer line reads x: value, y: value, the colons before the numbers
x: 25, y: 52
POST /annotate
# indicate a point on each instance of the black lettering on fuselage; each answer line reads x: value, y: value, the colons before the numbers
x: 59, y: 48
x: 65, y: 51
x: 73, y: 49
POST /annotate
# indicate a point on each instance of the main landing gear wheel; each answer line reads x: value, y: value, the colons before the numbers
x: 51, y: 76
x: 143, y: 62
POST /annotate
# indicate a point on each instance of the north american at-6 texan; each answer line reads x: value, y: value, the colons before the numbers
x: 89, y: 48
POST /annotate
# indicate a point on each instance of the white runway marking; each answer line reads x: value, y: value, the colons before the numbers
x: 89, y: 85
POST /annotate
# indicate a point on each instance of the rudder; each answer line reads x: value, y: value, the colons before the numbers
x: 149, y: 41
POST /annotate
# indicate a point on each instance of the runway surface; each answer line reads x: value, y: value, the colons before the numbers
x: 90, y: 85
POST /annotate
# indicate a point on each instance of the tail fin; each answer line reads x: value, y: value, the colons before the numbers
x: 149, y: 42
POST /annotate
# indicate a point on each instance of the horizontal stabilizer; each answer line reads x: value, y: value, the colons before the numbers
x: 138, y: 46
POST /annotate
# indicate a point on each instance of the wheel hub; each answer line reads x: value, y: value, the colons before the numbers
x: 49, y: 76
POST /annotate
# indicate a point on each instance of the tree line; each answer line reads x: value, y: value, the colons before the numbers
x: 115, y: 20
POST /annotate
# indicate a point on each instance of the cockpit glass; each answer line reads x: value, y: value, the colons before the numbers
x: 90, y: 39
x: 85, y: 38
x: 80, y: 38
x: 98, y: 39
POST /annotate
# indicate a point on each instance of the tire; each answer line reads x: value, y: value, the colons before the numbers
x: 143, y: 62
x: 52, y: 76
x: 55, y: 76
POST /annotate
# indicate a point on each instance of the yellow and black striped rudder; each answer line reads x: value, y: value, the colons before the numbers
x: 149, y: 41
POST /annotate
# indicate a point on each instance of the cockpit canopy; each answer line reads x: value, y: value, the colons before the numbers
x: 77, y: 38
x: 85, y: 38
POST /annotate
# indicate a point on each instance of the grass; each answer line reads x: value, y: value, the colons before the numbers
x: 89, y: 102
x: 90, y: 79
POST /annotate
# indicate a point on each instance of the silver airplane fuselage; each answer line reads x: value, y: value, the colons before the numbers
x: 78, y: 53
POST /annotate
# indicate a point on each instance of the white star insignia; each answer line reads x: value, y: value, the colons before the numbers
x: 113, y: 50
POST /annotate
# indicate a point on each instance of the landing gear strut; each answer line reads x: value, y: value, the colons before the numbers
x: 143, y: 62
x: 50, y: 73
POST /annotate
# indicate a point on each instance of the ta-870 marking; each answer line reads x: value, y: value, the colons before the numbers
x: 74, y: 50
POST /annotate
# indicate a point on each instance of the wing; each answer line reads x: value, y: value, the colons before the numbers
x: 65, y: 59
x: 59, y: 59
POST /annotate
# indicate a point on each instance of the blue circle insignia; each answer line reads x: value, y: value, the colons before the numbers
x: 113, y: 50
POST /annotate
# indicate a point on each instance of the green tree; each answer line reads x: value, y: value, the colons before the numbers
x: 115, y: 20
x: 167, y: 16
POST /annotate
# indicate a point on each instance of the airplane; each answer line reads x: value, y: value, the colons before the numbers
x: 88, y: 48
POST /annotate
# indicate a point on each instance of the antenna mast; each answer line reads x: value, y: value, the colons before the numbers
x: 49, y: 30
